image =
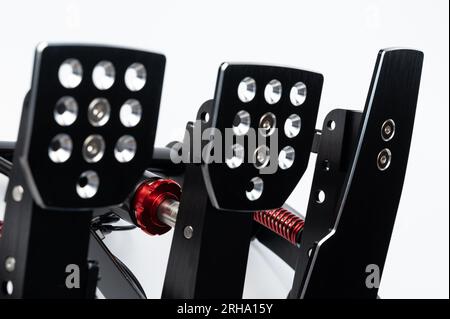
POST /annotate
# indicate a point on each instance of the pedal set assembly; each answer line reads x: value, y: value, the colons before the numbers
x: 85, y: 159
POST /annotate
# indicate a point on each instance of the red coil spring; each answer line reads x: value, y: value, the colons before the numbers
x: 282, y: 222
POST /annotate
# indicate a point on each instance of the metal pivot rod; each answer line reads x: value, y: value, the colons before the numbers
x: 155, y: 204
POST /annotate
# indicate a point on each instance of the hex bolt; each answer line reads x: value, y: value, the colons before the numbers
x: 17, y: 193
x: 188, y: 232
x: 10, y: 264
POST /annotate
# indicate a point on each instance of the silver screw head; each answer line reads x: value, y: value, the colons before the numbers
x: 188, y: 232
x: 388, y: 130
x: 17, y: 193
x: 384, y: 159
x: 261, y: 157
x: 10, y: 264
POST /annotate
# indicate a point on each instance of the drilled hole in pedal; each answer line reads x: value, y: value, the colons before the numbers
x: 298, y: 94
x: 292, y: 125
x: 247, y: 89
x: 60, y: 148
x: 66, y: 111
x: 87, y: 185
x: 320, y: 196
x: 204, y: 117
x: 131, y: 113
x: 331, y: 125
x: 286, y: 157
x: 241, y: 123
x: 135, y: 77
x: 236, y: 157
x: 70, y: 73
x: 125, y: 149
x: 104, y: 75
x: 272, y: 92
x: 254, y: 189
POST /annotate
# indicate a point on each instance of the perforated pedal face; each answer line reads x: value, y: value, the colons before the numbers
x: 267, y: 100
x: 90, y: 124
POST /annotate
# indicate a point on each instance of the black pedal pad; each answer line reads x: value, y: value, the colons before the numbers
x: 279, y: 105
x: 88, y: 130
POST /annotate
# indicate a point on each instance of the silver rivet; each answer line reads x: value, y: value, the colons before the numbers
x: 17, y: 193
x: 10, y: 264
x: 188, y: 232
x: 388, y: 130
x: 8, y: 287
x: 384, y: 159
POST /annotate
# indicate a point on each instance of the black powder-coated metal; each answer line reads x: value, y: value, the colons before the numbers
x: 335, y: 147
x: 213, y: 262
x: 53, y: 184
x: 42, y: 242
x: 115, y: 281
x: 342, y: 235
x: 47, y: 227
x: 360, y: 233
x: 219, y: 177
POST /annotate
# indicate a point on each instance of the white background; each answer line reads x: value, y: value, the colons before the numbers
x: 340, y: 39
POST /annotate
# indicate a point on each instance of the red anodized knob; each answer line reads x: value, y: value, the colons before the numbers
x: 148, y: 197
